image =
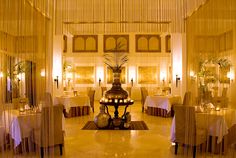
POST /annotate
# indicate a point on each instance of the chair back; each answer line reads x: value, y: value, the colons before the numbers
x: 91, y: 94
x: 187, y: 98
x: 103, y: 90
x: 129, y: 91
x: 19, y: 102
x: 51, y: 126
x: 224, y: 92
x: 185, y: 125
x: 144, y: 94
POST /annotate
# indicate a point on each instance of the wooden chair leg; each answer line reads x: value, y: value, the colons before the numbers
x: 42, y: 152
x: 176, y: 148
x: 194, y: 151
x: 60, y: 145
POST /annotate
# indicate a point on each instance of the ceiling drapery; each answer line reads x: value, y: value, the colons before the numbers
x: 111, y: 16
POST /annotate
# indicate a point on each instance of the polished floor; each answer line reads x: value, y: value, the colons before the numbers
x: 152, y: 143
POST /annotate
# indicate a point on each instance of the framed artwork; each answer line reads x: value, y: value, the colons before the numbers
x: 147, y: 75
x: 122, y: 75
x: 84, y: 75
x: 116, y: 43
x: 148, y: 43
x: 168, y: 43
x: 64, y: 43
x: 85, y: 43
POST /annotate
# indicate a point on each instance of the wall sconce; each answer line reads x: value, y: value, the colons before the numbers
x: 132, y: 82
x: 56, y: 80
x: 1, y: 74
x: 177, y: 80
x: 42, y: 73
x: 192, y: 76
x: 99, y: 82
x: 230, y: 76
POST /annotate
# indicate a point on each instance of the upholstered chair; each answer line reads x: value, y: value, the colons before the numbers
x: 185, y: 128
x: 222, y: 100
x: 91, y: 94
x: 128, y: 89
x: 144, y: 94
x: 103, y: 90
x: 187, y: 98
x: 50, y: 132
x: 18, y: 102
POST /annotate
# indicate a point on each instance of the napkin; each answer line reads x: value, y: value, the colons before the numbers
x: 27, y: 107
x: 210, y: 106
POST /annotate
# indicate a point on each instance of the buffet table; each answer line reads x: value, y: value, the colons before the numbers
x: 75, y: 105
x: 220, y: 126
x: 160, y: 105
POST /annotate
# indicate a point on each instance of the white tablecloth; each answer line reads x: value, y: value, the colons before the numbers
x: 217, y: 123
x: 19, y: 126
x: 73, y: 101
x: 163, y: 102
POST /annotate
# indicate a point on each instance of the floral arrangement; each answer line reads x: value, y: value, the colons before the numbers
x: 116, y: 60
x: 208, y: 76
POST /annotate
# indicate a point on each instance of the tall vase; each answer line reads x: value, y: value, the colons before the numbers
x: 116, y: 92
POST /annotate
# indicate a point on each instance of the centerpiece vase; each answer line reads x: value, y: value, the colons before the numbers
x: 116, y: 92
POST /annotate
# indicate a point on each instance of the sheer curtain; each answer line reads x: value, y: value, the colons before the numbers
x: 25, y: 48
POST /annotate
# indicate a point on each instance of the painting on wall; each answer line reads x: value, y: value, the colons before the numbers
x: 147, y: 75
x: 122, y: 75
x: 84, y: 75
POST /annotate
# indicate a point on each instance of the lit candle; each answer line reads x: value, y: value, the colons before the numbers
x: 116, y: 100
x: 106, y: 100
x: 217, y: 108
x: 125, y: 100
x: 121, y: 101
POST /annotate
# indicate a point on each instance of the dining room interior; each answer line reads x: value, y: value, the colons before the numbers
x: 117, y: 78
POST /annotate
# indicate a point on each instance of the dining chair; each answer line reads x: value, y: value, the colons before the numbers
x: 187, y: 98
x: 185, y: 128
x: 50, y: 132
x: 221, y: 100
x: 18, y: 102
x: 144, y: 94
x: 91, y: 94
x: 103, y: 90
x: 2, y: 137
x: 129, y: 91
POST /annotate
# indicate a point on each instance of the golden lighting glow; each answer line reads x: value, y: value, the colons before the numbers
x: 42, y: 73
x: 163, y: 76
x: 100, y: 74
x: 1, y: 74
x: 192, y: 75
x: 230, y: 75
x: 69, y: 75
x: 132, y: 73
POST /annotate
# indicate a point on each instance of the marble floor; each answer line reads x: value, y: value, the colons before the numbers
x: 152, y: 143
